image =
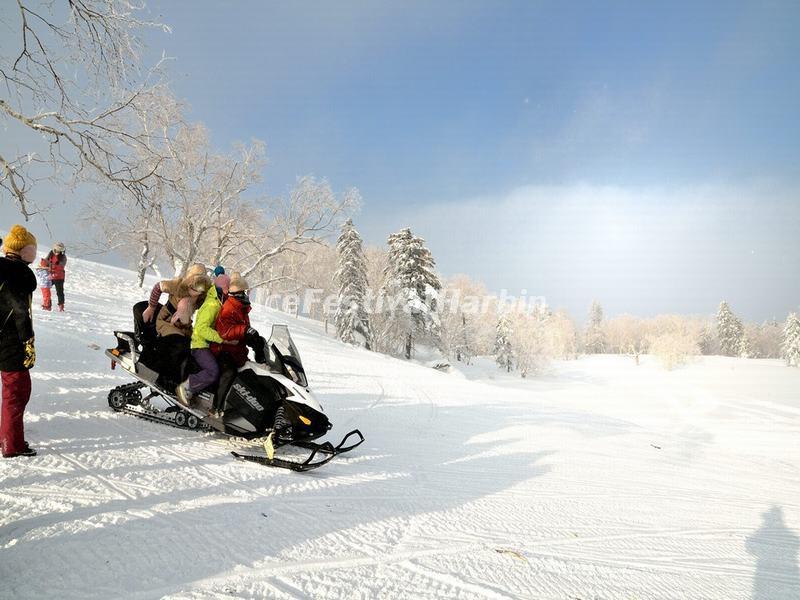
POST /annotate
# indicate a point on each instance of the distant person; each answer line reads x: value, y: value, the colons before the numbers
x: 45, y: 283
x: 17, y: 353
x: 57, y: 261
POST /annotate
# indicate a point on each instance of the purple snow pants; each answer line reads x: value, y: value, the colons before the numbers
x: 208, y: 373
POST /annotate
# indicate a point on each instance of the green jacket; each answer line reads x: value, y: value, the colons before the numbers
x: 204, y: 333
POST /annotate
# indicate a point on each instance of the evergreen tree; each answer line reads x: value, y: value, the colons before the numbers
x: 746, y: 347
x: 595, y: 337
x: 729, y: 331
x: 791, y: 340
x: 706, y: 341
x: 503, y: 352
x: 410, y: 274
x: 351, y: 277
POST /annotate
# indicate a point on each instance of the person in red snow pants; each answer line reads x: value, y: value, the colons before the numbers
x: 17, y: 353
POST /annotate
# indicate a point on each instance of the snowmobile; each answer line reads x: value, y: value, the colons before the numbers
x: 268, y: 401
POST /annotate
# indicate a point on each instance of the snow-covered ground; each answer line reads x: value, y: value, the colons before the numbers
x: 600, y: 479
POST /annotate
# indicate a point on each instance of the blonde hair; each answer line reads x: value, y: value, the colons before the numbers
x: 195, y: 269
x: 237, y: 283
x: 196, y: 282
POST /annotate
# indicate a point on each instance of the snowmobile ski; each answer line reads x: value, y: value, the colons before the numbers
x: 329, y: 450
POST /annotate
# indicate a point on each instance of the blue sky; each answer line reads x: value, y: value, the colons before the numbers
x: 508, y: 133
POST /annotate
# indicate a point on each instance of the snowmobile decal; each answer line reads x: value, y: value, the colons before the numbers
x: 248, y: 397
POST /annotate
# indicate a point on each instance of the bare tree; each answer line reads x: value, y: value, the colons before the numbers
x: 69, y: 94
x: 201, y: 215
x: 310, y: 214
x: 119, y: 222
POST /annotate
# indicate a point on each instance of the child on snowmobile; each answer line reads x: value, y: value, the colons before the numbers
x: 222, y: 283
x: 233, y: 323
x: 45, y: 283
x: 203, y: 334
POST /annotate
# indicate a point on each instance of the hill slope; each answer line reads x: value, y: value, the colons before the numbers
x: 600, y: 479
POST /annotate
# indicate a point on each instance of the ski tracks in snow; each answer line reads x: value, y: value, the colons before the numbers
x: 627, y: 484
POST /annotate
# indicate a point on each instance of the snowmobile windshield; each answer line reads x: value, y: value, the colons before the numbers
x: 290, y: 367
x: 286, y: 354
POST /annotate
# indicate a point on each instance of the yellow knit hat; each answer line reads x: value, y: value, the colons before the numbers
x: 18, y: 238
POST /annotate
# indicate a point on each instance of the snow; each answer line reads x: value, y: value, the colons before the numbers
x: 597, y: 479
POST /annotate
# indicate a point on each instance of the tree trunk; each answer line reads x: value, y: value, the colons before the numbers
x: 409, y: 346
x: 141, y: 268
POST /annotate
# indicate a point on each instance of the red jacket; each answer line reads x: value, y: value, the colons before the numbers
x: 232, y: 323
x: 56, y: 262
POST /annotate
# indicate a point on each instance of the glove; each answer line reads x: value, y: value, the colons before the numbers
x: 251, y: 337
x: 260, y: 352
x: 30, y: 354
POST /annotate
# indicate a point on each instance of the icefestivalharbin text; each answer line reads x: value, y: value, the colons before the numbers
x: 446, y: 301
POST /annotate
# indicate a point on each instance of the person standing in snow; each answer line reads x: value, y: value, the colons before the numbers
x: 17, y: 353
x: 43, y: 277
x: 57, y: 261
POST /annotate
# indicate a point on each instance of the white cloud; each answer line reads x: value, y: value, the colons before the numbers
x: 641, y: 250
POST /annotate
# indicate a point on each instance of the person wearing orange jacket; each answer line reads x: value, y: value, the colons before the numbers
x: 233, y: 325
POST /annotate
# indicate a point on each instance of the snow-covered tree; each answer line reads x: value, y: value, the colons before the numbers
x: 707, y: 342
x: 465, y: 331
x: 351, y: 276
x: 767, y: 339
x: 746, y: 347
x: 562, y: 336
x: 595, y: 342
x: 674, y: 348
x: 791, y: 340
x: 72, y: 90
x: 503, y: 352
x: 531, y: 340
x: 412, y: 289
x: 729, y: 331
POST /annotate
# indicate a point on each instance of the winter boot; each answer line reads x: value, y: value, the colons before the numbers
x: 27, y: 451
x: 60, y: 308
x: 184, y: 395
